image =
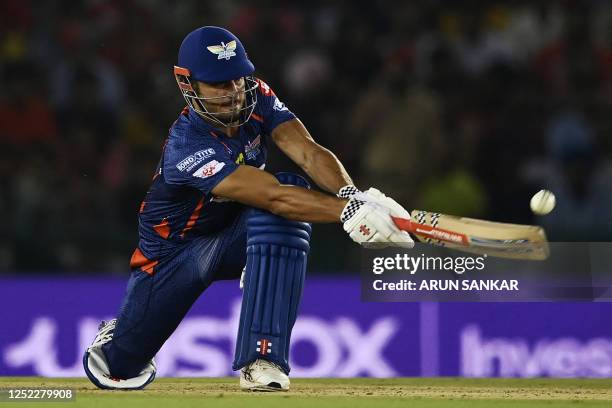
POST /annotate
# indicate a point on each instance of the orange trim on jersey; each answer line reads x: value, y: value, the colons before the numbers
x: 142, y: 206
x: 194, y: 217
x: 185, y: 111
x: 140, y: 261
x: 181, y: 71
x: 257, y: 117
x: 163, y: 228
x: 265, y: 88
x: 229, y: 151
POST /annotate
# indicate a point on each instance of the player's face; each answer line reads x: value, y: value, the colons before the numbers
x: 224, y: 99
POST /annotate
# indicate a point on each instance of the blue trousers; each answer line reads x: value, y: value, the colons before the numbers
x: 154, y: 305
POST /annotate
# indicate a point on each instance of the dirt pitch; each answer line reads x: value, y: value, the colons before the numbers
x: 321, y: 393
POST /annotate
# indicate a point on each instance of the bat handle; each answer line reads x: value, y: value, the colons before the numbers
x: 428, y: 231
x: 403, y: 223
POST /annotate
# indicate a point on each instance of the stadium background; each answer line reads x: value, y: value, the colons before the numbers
x: 463, y: 107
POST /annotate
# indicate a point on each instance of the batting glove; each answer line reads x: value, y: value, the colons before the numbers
x: 367, y: 219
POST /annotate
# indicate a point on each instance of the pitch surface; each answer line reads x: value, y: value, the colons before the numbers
x: 322, y: 393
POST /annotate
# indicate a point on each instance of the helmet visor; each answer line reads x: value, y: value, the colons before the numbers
x: 229, y: 109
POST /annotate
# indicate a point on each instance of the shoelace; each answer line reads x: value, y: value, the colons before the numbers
x: 105, y: 332
x: 246, y: 371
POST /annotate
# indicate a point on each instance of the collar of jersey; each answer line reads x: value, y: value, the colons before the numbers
x: 199, y: 122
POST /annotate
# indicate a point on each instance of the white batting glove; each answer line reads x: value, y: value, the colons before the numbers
x: 395, y: 208
x: 367, y: 219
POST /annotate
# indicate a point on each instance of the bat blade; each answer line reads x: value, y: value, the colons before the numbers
x: 472, y: 235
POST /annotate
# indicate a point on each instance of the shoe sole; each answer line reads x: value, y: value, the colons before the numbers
x: 251, y: 386
x: 263, y: 388
x: 98, y: 384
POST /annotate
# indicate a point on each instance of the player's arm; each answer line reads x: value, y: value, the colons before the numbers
x: 365, y: 217
x: 257, y: 188
x: 321, y: 165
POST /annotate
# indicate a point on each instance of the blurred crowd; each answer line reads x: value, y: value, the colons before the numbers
x: 463, y: 107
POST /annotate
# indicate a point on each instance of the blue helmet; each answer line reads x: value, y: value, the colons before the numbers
x: 213, y: 55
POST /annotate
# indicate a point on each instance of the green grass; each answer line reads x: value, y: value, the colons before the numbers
x: 323, y: 393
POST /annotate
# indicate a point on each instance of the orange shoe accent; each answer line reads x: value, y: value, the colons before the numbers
x: 140, y: 261
x: 163, y: 229
x: 194, y: 217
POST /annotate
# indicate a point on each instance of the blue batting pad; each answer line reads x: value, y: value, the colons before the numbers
x: 277, y: 251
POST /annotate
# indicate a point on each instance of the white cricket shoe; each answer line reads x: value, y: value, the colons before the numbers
x: 96, y: 366
x: 263, y: 375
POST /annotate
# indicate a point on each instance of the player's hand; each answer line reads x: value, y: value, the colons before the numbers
x: 395, y: 208
x: 367, y: 220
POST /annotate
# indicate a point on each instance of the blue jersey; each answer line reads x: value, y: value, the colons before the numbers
x: 179, y: 205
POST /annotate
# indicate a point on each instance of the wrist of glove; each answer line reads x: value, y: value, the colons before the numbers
x: 367, y: 219
x: 348, y: 191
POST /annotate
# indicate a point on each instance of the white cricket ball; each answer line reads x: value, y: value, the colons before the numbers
x: 542, y: 202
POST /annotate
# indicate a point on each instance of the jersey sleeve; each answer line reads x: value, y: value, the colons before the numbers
x: 202, y: 166
x: 273, y: 111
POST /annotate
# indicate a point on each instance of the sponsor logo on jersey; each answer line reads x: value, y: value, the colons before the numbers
x: 279, y: 106
x: 253, y: 148
x: 223, y: 51
x: 209, y: 169
x: 240, y: 159
x: 193, y: 160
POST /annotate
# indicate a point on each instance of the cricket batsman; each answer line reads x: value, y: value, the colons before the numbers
x: 212, y: 209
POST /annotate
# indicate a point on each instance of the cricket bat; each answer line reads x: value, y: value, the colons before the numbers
x: 497, y: 239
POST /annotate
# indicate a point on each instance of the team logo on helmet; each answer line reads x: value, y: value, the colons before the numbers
x: 224, y: 50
